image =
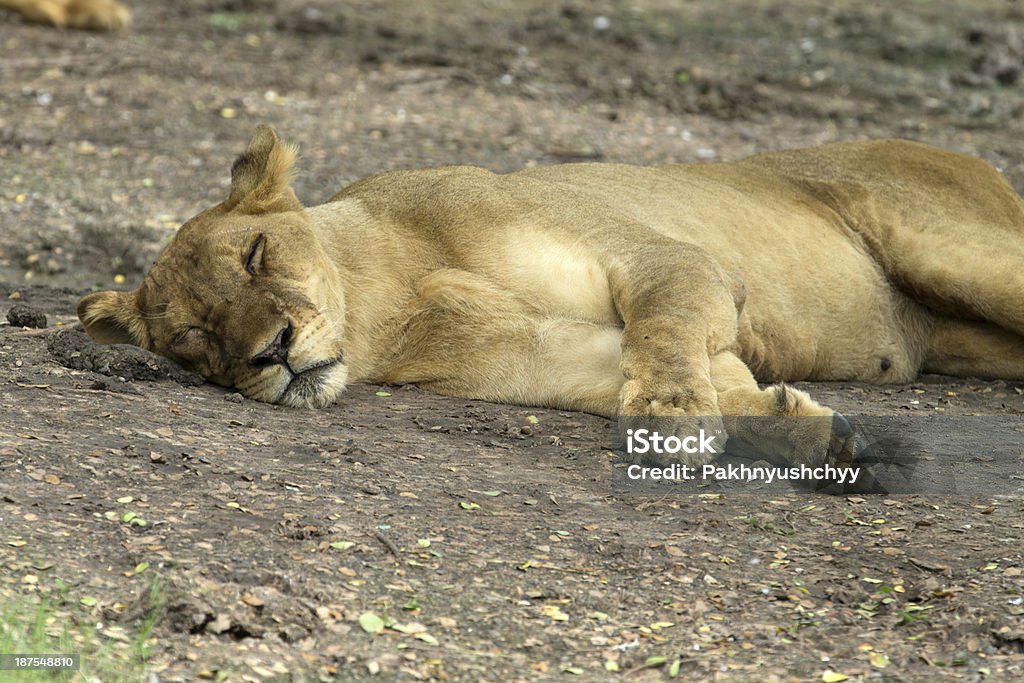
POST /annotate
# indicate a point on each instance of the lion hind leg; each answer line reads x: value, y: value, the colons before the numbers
x: 968, y: 277
x: 957, y: 246
x: 974, y: 349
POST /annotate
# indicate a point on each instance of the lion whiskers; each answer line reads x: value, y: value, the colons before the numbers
x: 267, y: 385
x: 156, y: 316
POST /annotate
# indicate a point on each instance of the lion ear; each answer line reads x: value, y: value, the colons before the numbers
x: 113, y: 318
x: 261, y: 176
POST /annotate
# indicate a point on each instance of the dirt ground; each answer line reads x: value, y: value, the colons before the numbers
x: 404, y: 536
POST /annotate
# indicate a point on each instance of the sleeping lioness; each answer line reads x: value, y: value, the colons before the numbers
x: 605, y: 288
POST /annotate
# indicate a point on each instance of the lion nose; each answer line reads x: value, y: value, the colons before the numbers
x: 276, y: 352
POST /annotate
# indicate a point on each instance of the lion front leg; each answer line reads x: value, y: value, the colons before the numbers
x: 678, y: 309
x: 467, y: 337
x: 668, y: 389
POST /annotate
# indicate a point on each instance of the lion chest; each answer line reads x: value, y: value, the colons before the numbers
x: 553, y: 277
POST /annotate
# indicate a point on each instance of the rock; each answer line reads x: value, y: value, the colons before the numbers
x: 21, y: 315
x: 73, y: 348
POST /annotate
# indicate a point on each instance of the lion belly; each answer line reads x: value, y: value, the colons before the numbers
x: 819, y: 329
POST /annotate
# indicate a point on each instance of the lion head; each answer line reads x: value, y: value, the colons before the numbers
x: 244, y: 294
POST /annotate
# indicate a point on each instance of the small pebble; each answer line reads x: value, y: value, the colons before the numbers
x: 21, y: 315
x: 234, y: 398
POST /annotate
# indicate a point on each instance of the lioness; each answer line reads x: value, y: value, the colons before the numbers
x: 97, y: 15
x: 605, y: 288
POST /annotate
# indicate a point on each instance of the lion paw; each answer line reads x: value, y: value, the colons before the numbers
x: 671, y: 424
x: 802, y: 433
x: 691, y: 396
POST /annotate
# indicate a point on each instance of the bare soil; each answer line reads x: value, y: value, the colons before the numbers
x: 486, y: 537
